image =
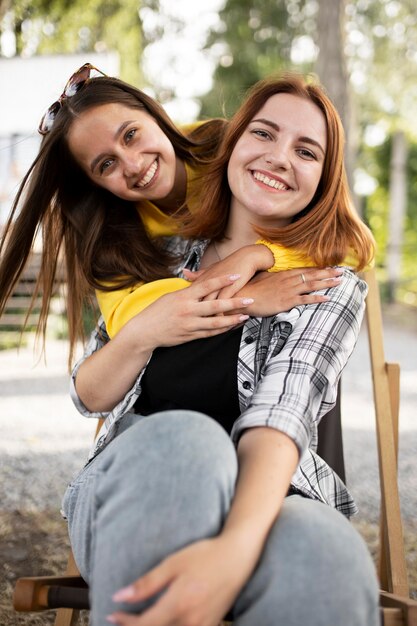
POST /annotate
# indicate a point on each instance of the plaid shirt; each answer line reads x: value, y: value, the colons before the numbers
x: 288, y: 369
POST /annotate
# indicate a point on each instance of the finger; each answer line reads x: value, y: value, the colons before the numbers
x: 205, y: 287
x: 146, y: 586
x: 318, y: 285
x: 208, y: 326
x: 122, y: 619
x: 316, y: 273
x: 311, y: 299
x: 212, y: 296
x: 207, y: 308
x: 192, y: 276
x: 162, y: 613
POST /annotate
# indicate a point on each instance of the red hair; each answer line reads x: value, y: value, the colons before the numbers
x: 329, y: 227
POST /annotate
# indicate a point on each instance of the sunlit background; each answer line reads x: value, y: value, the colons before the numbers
x: 198, y: 58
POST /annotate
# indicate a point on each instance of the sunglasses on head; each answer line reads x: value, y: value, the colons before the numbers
x: 74, y: 84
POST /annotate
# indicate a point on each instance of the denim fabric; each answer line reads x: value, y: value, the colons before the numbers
x: 168, y: 480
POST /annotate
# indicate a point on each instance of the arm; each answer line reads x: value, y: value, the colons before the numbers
x: 104, y: 378
x: 121, y: 305
x: 209, y: 574
x: 304, y: 372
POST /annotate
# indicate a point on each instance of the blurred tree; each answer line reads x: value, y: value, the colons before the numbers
x: 382, y: 53
x: 256, y: 38
x: 331, y: 68
x: 69, y: 26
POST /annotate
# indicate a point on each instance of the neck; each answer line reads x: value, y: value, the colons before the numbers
x: 239, y: 232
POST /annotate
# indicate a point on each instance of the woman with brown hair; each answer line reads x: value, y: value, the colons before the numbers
x: 204, y: 494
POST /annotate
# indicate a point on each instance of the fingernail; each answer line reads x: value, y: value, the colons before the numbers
x: 234, y: 276
x: 247, y: 300
x: 339, y: 270
x: 124, y: 594
x: 242, y: 318
x: 111, y: 619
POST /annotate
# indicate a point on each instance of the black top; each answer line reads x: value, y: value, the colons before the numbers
x: 200, y: 375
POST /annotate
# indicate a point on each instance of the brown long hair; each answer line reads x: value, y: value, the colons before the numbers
x: 98, y: 237
x: 329, y: 226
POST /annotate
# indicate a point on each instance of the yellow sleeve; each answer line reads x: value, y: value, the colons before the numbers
x: 119, y: 306
x: 288, y: 258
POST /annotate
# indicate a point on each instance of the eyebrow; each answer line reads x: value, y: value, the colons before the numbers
x: 309, y: 140
x: 116, y: 135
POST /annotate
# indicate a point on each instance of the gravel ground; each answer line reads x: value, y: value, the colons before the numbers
x: 44, y: 440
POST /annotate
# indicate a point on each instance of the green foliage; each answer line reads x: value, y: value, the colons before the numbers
x: 69, y: 26
x: 377, y: 161
x: 255, y: 41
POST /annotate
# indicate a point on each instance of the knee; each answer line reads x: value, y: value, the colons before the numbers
x: 327, y: 554
x: 315, y: 570
x: 327, y: 537
x: 174, y: 450
x: 187, y: 435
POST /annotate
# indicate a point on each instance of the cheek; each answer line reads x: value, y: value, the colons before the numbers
x: 312, y: 179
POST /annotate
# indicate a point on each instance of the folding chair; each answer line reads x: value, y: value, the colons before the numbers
x: 69, y: 593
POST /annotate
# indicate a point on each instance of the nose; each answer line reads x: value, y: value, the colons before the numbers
x: 279, y: 156
x: 131, y: 164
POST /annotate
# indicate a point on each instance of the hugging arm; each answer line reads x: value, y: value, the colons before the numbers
x: 112, y: 367
x: 273, y: 292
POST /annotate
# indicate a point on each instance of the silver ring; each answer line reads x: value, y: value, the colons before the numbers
x: 303, y: 278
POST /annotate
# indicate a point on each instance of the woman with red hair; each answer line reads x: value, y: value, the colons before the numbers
x: 204, y: 494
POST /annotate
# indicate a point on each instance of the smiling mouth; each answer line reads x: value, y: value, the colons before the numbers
x: 270, y: 182
x: 149, y: 176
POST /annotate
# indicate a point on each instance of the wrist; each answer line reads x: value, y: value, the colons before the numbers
x: 262, y: 256
x: 137, y: 342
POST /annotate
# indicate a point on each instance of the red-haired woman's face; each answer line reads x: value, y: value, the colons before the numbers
x: 276, y: 165
x: 124, y: 151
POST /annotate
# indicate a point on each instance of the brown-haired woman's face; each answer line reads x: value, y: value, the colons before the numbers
x: 276, y: 165
x: 124, y: 151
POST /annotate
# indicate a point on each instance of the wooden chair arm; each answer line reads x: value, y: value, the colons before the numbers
x: 398, y: 610
x: 47, y: 592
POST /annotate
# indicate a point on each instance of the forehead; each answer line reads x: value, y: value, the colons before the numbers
x: 296, y: 114
x: 108, y: 114
x: 95, y: 130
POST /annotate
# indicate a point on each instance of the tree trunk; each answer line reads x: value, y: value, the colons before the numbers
x: 397, y: 209
x: 332, y: 71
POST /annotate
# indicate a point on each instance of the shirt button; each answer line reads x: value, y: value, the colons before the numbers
x: 246, y: 384
x: 249, y: 339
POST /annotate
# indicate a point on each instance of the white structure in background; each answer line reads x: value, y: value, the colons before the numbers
x: 28, y: 86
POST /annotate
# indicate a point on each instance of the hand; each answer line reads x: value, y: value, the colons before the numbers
x: 184, y: 315
x: 200, y: 581
x: 247, y: 261
x: 274, y: 292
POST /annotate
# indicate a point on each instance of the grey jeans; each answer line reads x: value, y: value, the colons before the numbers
x: 167, y: 480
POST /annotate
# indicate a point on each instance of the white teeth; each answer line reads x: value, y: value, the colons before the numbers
x: 149, y: 175
x: 271, y: 182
